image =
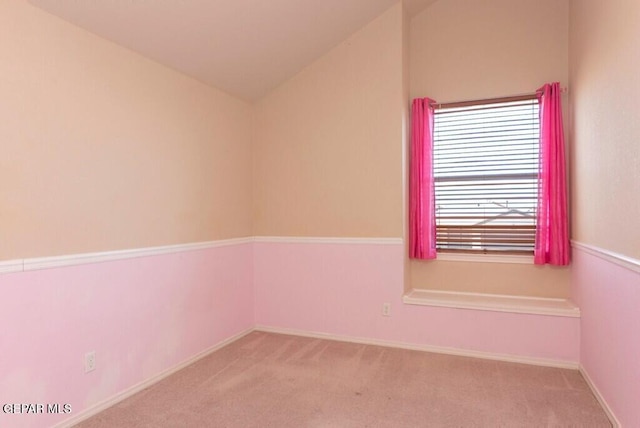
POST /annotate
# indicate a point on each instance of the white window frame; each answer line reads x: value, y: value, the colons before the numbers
x: 482, y: 255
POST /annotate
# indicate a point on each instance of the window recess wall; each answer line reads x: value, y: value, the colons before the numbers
x: 462, y: 50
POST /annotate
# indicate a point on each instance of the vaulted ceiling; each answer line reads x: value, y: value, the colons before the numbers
x: 244, y: 47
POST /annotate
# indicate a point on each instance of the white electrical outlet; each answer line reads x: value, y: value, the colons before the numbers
x: 89, y: 361
x: 386, y: 309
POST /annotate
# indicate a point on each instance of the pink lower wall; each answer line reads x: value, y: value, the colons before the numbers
x: 145, y: 315
x: 609, y: 297
x: 339, y: 289
x: 142, y: 316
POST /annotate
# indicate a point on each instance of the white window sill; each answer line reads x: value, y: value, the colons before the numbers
x: 485, y: 258
x: 493, y: 302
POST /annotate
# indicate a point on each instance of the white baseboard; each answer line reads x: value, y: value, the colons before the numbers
x: 97, y: 408
x: 615, y: 258
x: 24, y: 265
x: 107, y: 256
x: 605, y: 406
x: 427, y: 348
x: 327, y: 240
x: 10, y: 266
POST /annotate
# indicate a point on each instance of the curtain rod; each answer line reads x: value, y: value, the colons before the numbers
x: 519, y: 97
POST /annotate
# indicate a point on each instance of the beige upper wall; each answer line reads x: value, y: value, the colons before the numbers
x: 605, y: 99
x: 328, y: 143
x: 102, y: 149
x: 466, y: 50
x: 475, y: 49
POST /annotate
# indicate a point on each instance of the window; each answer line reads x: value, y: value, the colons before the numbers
x: 486, y: 157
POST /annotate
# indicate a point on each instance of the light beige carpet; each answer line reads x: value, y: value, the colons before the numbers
x: 270, y: 380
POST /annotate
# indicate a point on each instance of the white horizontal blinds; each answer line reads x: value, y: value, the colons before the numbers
x: 485, y: 169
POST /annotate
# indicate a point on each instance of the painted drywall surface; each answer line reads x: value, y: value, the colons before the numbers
x: 328, y: 146
x: 605, y: 104
x: 345, y: 286
x: 518, y: 279
x: 462, y: 50
x: 406, y: 138
x: 141, y: 316
x: 609, y: 298
x: 103, y: 149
